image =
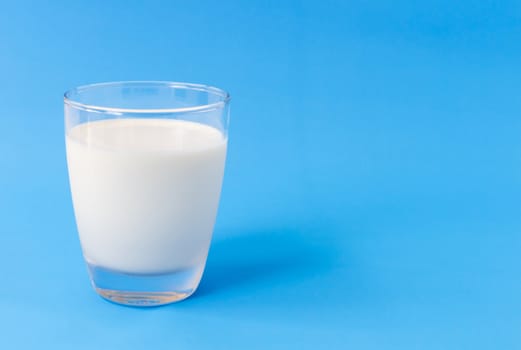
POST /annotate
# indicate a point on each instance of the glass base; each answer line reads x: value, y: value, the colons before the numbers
x: 144, y: 290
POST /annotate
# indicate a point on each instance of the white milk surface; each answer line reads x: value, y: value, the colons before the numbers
x: 145, y: 192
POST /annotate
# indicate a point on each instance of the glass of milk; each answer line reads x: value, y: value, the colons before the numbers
x: 146, y: 162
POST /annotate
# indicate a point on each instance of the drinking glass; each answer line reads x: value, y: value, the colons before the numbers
x: 146, y: 162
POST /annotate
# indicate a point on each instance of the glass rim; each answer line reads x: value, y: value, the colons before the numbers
x: 224, y: 97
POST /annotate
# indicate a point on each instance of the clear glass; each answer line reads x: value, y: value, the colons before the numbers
x: 146, y: 162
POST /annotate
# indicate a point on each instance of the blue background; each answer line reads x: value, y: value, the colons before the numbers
x: 373, y: 184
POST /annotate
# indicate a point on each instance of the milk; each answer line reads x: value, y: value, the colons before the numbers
x: 145, y: 192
